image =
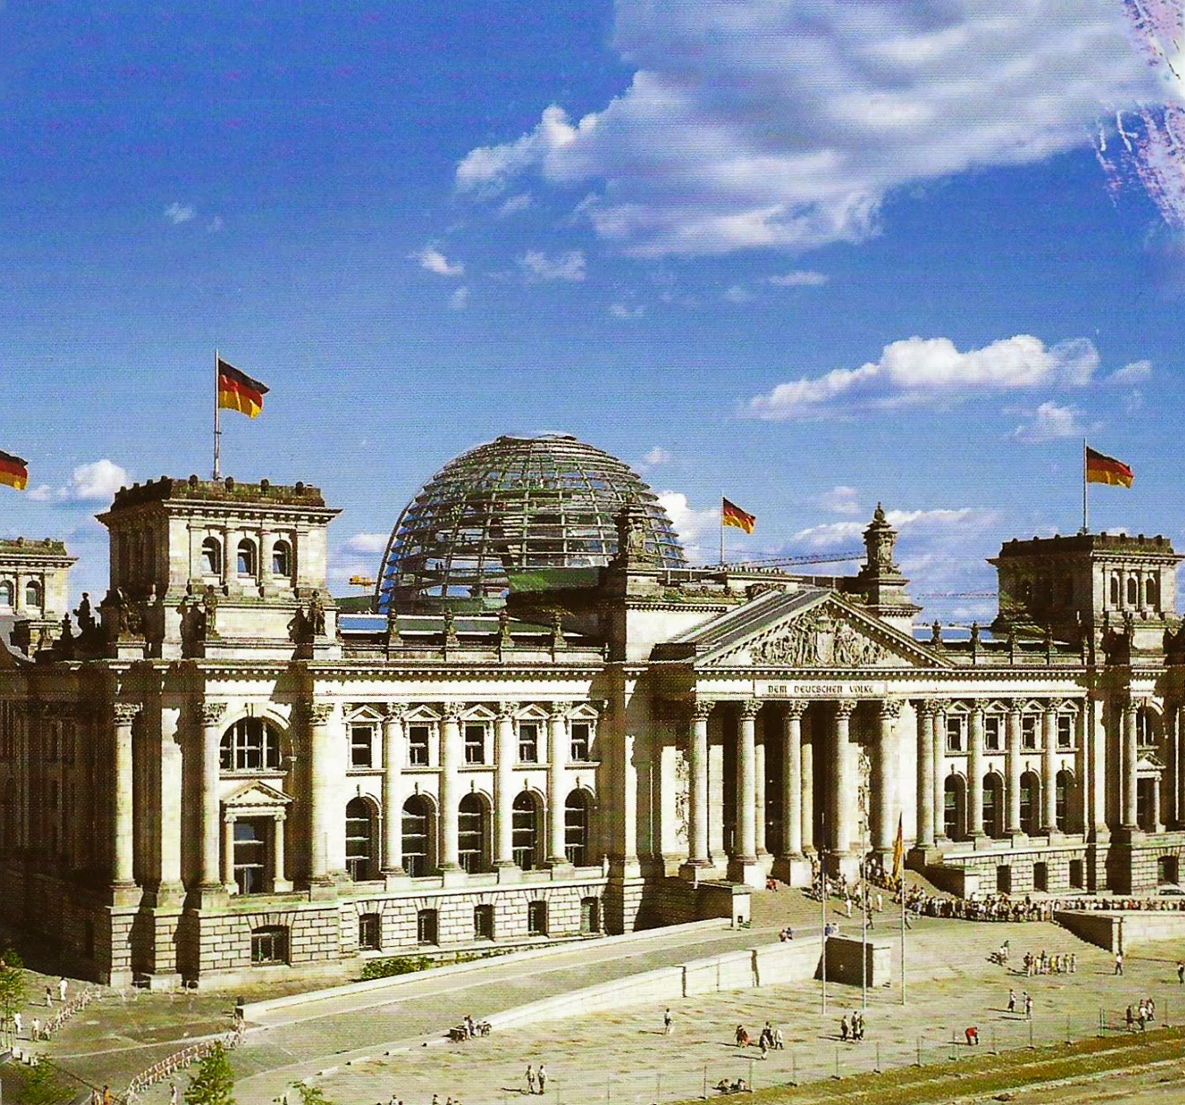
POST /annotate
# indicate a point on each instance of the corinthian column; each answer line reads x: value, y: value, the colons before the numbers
x: 845, y: 781
x: 1012, y: 820
x: 211, y: 717
x: 504, y: 758
x: 321, y: 786
x: 792, y: 780
x: 557, y: 759
x: 450, y: 744
x: 926, y: 722
x: 747, y: 788
x: 1128, y: 738
x: 1049, y: 768
x: 697, y: 803
x: 124, y: 844
x: 975, y: 769
x: 393, y: 752
x: 884, y: 789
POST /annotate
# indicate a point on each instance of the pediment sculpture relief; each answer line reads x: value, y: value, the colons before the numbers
x: 816, y: 641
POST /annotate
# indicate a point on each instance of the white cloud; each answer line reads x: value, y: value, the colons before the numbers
x: 1049, y: 423
x: 42, y: 493
x: 567, y: 266
x: 658, y: 455
x: 519, y: 202
x: 841, y: 499
x: 620, y: 310
x: 834, y: 534
x: 433, y: 260
x: 800, y: 278
x: 367, y: 543
x: 738, y: 293
x: 215, y: 224
x: 95, y: 482
x: 759, y: 124
x: 694, y: 527
x: 1131, y: 373
x: 459, y: 300
x: 178, y: 213
x: 929, y: 369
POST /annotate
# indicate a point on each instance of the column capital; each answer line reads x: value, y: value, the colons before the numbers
x: 1053, y: 705
x: 796, y: 707
x: 1015, y: 706
x: 125, y: 713
x: 451, y: 711
x: 701, y: 708
x: 558, y: 711
x: 931, y: 707
x: 394, y: 711
x: 845, y: 707
x: 211, y: 712
x: 506, y: 710
x: 319, y: 712
x: 891, y: 708
x: 750, y: 708
x: 979, y: 705
x: 229, y: 817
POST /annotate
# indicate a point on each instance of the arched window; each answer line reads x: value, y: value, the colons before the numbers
x: 211, y: 557
x: 418, y: 830
x: 993, y: 804
x: 524, y: 820
x: 246, y: 558
x: 1133, y: 591
x: 6, y: 592
x: 281, y: 559
x: 1063, y: 786
x: 33, y: 594
x: 251, y: 744
x: 1030, y: 793
x: 1153, y: 592
x: 360, y: 837
x: 472, y: 826
x: 576, y: 821
x: 954, y: 807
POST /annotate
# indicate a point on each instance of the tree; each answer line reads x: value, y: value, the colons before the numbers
x: 12, y: 990
x: 214, y: 1081
x: 42, y: 1086
x: 311, y: 1095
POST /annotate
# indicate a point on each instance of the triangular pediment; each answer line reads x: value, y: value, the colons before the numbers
x: 1149, y: 765
x: 257, y: 796
x: 808, y: 630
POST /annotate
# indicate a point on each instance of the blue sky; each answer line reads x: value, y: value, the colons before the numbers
x: 813, y: 255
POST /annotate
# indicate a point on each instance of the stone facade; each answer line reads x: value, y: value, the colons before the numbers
x: 216, y: 774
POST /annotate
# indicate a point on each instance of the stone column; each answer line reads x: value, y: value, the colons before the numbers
x: 1012, y: 762
x: 1096, y: 734
x: 926, y: 719
x: 1049, y: 768
x: 884, y: 778
x: 792, y: 780
x: 1178, y: 811
x: 759, y: 794
x: 393, y: 754
x: 505, y: 756
x: 280, y: 881
x: 322, y: 779
x: 975, y: 769
x: 557, y: 759
x: 122, y: 869
x: 747, y: 785
x: 697, y: 797
x: 211, y: 717
x: 1128, y: 737
x: 938, y: 793
x: 450, y: 746
x: 808, y: 794
x: 1157, y: 827
x: 171, y: 782
x: 228, y: 853
x: 844, y: 791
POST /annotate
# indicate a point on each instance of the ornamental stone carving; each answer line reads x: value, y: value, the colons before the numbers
x: 451, y: 711
x: 750, y: 708
x: 814, y: 640
x: 125, y: 712
x: 394, y: 711
x: 796, y: 708
x: 891, y: 708
x: 844, y: 708
x: 852, y: 649
x: 319, y: 712
x: 211, y: 712
x: 702, y: 708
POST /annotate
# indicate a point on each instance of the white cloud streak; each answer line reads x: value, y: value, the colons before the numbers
x: 538, y: 267
x: 918, y: 370
x: 800, y: 278
x: 178, y: 213
x: 367, y: 543
x: 433, y: 260
x: 1050, y: 423
x: 759, y: 124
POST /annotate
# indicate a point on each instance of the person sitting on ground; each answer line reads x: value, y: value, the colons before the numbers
x: 742, y: 1036
x: 972, y: 1034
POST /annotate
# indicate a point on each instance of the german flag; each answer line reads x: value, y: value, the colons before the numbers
x: 238, y: 392
x: 732, y: 515
x: 1101, y: 468
x: 14, y: 472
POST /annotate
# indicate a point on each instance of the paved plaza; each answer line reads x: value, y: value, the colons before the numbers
x: 342, y: 1043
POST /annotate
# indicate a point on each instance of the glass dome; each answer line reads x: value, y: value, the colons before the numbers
x: 514, y: 503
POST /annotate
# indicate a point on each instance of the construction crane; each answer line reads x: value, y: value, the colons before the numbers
x: 957, y: 595
x: 362, y: 581
x: 786, y: 561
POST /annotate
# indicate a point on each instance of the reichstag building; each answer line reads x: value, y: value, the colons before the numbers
x: 546, y: 724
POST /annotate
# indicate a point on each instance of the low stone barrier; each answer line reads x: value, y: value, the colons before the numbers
x: 1121, y: 930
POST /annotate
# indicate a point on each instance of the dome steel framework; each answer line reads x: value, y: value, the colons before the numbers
x: 512, y: 504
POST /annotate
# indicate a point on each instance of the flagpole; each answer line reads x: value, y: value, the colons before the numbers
x: 721, y: 529
x: 1085, y: 525
x: 217, y: 425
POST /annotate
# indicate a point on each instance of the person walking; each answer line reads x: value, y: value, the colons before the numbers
x: 530, y: 1078
x: 1011, y: 1000
x: 63, y: 986
x: 843, y: 1027
x: 49, y: 996
x: 1181, y: 971
x: 668, y: 1022
x: 18, y: 1022
x: 1119, y: 963
x: 541, y: 1078
x: 1028, y: 1006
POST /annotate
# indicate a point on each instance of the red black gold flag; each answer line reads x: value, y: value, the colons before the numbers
x: 238, y: 392
x: 898, y: 850
x: 732, y: 515
x: 1101, y: 468
x: 14, y: 472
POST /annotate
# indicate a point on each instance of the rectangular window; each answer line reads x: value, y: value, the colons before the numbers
x: 590, y: 915
x: 370, y: 932
x: 269, y: 944
x: 483, y: 922
x: 417, y: 744
x: 581, y: 740
x: 1028, y: 732
x: 250, y: 854
x: 475, y: 744
x: 361, y: 745
x: 427, y: 927
x: 1065, y: 731
x: 954, y: 734
x: 993, y: 727
x: 528, y: 743
x: 536, y: 918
